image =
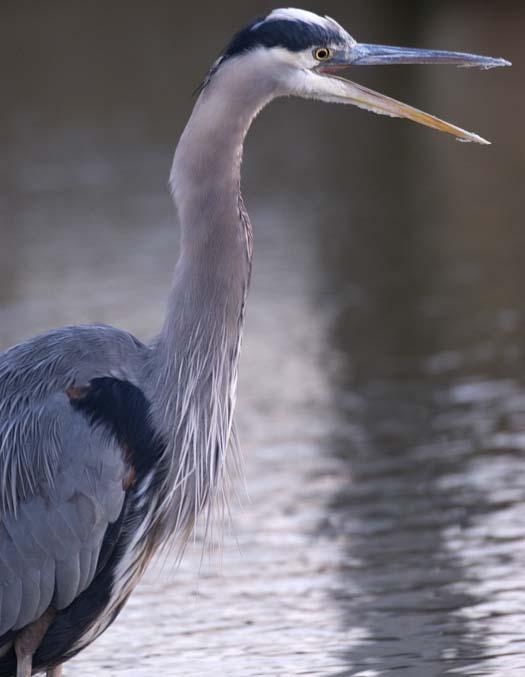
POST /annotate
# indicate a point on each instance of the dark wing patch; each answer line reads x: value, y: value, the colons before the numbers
x: 123, y: 409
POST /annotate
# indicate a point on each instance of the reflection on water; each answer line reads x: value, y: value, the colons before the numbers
x: 381, y: 403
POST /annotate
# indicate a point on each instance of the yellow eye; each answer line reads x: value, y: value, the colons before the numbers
x: 322, y: 53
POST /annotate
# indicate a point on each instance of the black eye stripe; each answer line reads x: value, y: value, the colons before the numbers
x: 295, y: 36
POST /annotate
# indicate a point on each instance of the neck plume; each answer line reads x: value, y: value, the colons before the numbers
x: 194, y: 374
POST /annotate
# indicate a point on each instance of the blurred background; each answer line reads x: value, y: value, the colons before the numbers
x: 382, y: 399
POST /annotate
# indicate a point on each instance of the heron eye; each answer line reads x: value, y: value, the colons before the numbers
x: 322, y: 53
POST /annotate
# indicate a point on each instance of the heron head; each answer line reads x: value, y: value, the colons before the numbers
x: 300, y: 53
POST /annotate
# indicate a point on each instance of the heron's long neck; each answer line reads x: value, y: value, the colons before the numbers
x: 197, y: 351
x: 213, y: 270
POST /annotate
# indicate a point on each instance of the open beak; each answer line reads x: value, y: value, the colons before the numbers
x: 340, y: 90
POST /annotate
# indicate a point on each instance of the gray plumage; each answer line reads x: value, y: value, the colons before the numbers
x: 109, y: 448
x: 61, y: 479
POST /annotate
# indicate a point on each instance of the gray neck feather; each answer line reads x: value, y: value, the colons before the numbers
x: 192, y: 378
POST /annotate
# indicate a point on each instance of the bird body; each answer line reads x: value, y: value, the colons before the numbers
x: 111, y: 448
x: 65, y: 504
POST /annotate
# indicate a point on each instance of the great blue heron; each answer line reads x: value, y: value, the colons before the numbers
x: 110, y: 448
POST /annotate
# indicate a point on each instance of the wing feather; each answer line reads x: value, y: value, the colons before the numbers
x: 61, y: 478
x: 29, y: 598
x: 11, y: 602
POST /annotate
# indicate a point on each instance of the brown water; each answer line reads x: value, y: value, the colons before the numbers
x: 382, y: 398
